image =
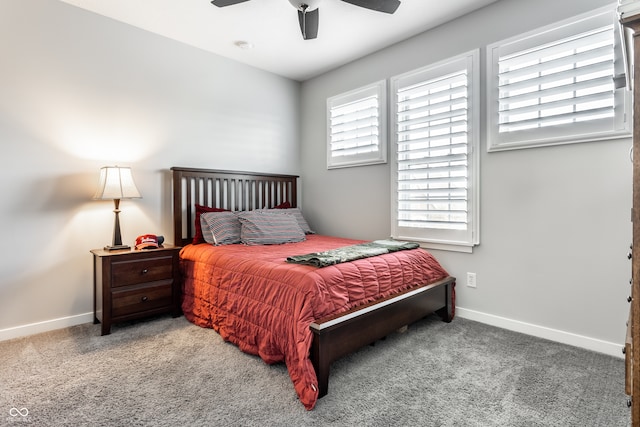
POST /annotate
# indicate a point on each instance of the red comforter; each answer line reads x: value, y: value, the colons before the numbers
x: 256, y: 300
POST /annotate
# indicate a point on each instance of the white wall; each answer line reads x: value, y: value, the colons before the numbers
x: 79, y: 91
x: 555, y: 222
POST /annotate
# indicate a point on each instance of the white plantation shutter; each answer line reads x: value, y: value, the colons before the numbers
x: 557, y: 85
x: 356, y: 127
x: 435, y: 174
x: 432, y: 153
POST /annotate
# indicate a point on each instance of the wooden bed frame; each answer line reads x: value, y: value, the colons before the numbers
x: 334, y: 336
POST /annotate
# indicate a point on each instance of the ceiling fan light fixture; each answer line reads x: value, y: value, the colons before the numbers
x: 311, y: 4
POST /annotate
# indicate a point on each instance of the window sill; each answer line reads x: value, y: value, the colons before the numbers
x: 467, y: 249
x: 505, y: 146
x: 443, y: 245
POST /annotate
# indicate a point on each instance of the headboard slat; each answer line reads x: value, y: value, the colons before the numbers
x: 236, y: 191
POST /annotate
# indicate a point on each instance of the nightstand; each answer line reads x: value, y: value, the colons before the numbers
x: 131, y: 284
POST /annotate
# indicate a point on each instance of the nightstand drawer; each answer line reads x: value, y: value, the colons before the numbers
x: 132, y: 272
x: 141, y: 298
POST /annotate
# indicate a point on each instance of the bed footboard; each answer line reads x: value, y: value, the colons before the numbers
x: 337, y: 336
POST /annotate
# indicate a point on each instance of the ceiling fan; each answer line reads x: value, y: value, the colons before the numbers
x: 308, y: 14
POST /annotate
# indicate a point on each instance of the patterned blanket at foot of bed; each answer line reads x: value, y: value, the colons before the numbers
x: 351, y: 253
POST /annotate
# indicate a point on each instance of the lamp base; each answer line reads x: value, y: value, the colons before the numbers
x: 116, y: 247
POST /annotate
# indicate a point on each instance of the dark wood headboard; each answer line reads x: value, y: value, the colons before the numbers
x: 232, y: 190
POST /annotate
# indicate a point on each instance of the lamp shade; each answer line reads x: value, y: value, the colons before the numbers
x: 116, y: 183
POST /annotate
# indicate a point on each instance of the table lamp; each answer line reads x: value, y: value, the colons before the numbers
x: 116, y: 183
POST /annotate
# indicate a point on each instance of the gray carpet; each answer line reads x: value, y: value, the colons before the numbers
x: 167, y: 372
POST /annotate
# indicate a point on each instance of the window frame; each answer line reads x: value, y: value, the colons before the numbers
x: 379, y: 156
x: 453, y: 240
x: 546, y: 136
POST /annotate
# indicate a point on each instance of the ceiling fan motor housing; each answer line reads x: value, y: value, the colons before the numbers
x: 311, y: 4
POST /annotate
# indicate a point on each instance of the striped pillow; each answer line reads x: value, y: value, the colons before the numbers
x: 297, y: 214
x: 220, y: 228
x: 266, y: 228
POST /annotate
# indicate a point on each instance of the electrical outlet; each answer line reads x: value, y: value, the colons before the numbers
x: 471, y: 280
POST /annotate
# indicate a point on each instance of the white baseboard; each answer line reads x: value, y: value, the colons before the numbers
x: 46, y: 326
x: 612, y: 349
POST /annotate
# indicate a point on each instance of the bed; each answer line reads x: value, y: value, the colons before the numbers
x: 299, y: 314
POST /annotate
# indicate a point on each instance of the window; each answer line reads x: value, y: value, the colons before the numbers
x: 356, y: 127
x: 435, y: 157
x: 557, y: 85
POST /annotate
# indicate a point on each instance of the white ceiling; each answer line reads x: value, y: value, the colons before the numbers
x: 346, y: 32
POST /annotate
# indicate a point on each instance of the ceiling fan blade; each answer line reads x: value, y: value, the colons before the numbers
x: 223, y: 3
x: 309, y: 23
x: 386, y: 6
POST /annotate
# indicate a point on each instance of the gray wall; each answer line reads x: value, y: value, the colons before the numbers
x: 79, y: 91
x: 554, y: 221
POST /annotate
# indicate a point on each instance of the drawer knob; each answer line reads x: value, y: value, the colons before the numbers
x: 629, y: 403
x: 624, y: 350
x: 145, y: 271
x: 629, y: 299
x: 629, y: 255
x: 144, y: 298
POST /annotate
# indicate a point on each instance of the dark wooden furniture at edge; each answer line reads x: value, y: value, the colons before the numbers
x: 632, y: 354
x: 334, y: 336
x: 131, y: 284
